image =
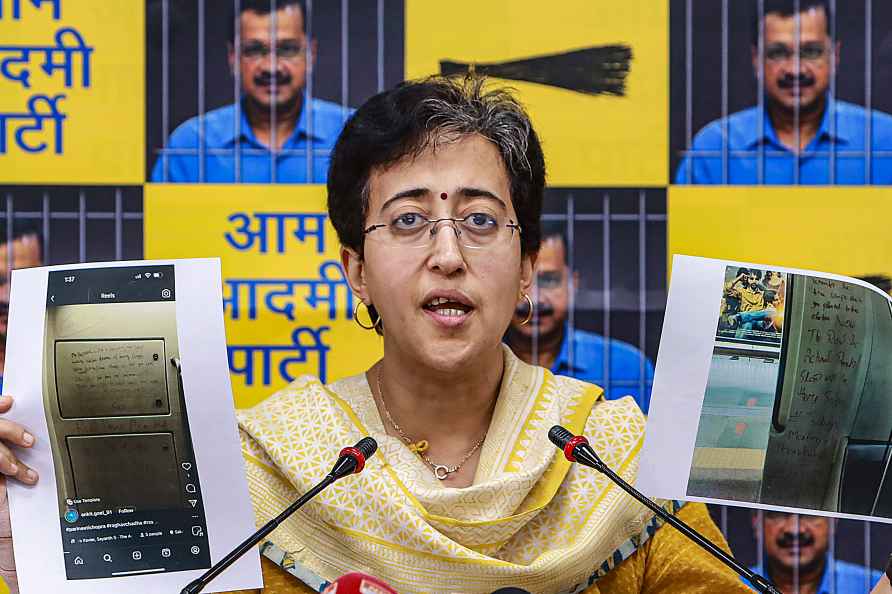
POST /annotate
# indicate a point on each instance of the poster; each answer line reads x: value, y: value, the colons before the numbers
x: 120, y: 374
x: 287, y: 306
x: 591, y: 74
x: 734, y: 418
x: 71, y: 91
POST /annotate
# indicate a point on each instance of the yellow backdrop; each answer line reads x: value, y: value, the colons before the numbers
x: 589, y: 140
x: 89, y: 64
x: 293, y: 317
x: 840, y: 230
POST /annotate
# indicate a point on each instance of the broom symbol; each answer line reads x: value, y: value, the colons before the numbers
x: 593, y: 70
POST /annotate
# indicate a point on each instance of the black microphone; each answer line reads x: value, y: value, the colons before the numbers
x: 351, y: 461
x: 577, y: 449
x: 511, y: 590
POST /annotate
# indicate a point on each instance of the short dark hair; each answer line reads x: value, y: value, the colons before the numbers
x: 262, y: 7
x: 556, y: 230
x: 788, y: 8
x: 21, y: 228
x: 415, y: 115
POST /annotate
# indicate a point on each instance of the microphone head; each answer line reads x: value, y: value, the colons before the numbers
x: 368, y: 446
x: 559, y: 436
x: 352, y: 459
x: 359, y: 583
x: 511, y: 590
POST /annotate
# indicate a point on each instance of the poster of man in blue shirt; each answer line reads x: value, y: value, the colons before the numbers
x: 26, y: 250
x: 275, y: 133
x: 548, y: 339
x: 800, y: 133
x: 797, y: 557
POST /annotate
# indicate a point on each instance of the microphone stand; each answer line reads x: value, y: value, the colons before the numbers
x: 577, y: 449
x: 351, y: 461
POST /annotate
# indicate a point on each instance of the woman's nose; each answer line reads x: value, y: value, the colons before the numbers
x: 446, y: 252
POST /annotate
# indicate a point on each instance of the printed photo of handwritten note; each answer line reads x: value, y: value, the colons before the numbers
x: 111, y: 377
x: 120, y: 371
x: 785, y: 396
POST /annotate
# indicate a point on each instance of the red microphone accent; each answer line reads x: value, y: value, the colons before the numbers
x: 357, y: 455
x: 358, y: 583
x: 571, y: 445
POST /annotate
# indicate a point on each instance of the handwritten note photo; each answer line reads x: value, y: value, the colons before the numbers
x: 286, y: 303
x: 120, y: 372
x: 772, y: 390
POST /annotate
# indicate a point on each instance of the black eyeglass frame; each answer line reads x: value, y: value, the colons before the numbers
x: 434, y: 222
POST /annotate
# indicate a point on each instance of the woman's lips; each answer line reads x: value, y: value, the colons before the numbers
x: 448, y: 317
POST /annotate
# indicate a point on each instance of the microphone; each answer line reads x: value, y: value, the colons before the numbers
x: 358, y: 583
x: 350, y: 461
x: 577, y: 449
x: 362, y: 583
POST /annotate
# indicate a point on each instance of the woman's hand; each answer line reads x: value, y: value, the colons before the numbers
x: 7, y: 560
x: 12, y: 437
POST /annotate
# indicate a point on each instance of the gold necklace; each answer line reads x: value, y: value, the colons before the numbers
x: 441, y: 471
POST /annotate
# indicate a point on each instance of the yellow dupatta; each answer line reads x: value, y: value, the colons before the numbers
x: 530, y: 519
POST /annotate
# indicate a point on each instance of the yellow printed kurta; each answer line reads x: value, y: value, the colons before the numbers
x: 530, y: 520
x: 668, y: 563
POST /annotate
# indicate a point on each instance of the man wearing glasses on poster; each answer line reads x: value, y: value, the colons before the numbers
x: 804, y: 135
x: 576, y: 353
x: 267, y: 135
x: 797, y: 557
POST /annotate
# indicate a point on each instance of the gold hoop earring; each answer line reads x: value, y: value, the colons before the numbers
x: 361, y: 325
x: 529, y: 315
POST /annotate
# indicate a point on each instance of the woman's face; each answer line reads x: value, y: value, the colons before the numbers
x: 407, y: 283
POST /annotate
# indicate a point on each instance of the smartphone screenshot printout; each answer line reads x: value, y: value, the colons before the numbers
x: 129, y: 494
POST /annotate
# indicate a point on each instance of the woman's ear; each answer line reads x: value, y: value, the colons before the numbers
x: 354, y: 271
x: 527, y: 266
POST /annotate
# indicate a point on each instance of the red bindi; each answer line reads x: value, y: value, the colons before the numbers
x: 443, y: 196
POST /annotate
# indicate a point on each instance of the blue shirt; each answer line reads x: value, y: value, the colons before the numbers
x: 849, y: 578
x: 843, y: 130
x: 221, y: 144
x: 626, y: 365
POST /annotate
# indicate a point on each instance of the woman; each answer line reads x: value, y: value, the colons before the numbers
x: 435, y: 190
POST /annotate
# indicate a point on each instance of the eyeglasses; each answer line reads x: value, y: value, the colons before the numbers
x: 287, y: 50
x: 547, y: 280
x: 808, y: 52
x: 775, y: 517
x: 478, y: 230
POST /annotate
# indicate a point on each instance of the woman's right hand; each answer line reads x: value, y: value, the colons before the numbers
x: 12, y: 437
